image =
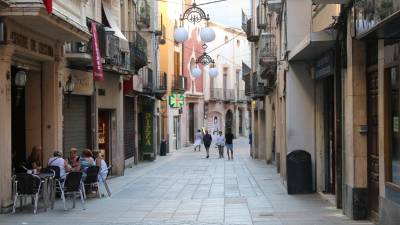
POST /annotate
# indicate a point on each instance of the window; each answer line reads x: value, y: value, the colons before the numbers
x: 177, y: 65
x: 238, y: 43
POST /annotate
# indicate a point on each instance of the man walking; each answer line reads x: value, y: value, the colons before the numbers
x: 221, y: 144
x: 229, y: 143
x: 197, y: 140
x: 207, y: 139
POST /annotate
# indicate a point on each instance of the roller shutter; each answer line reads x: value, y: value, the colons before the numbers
x: 129, y: 127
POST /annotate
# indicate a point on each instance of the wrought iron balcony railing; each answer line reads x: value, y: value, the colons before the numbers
x: 148, y: 80
x: 143, y: 14
x: 138, y: 49
x: 179, y: 83
x: 229, y: 95
x: 267, y: 55
x: 252, y: 35
x: 241, y: 96
x: 79, y: 54
x: 160, y: 86
x: 247, y: 84
x: 216, y: 94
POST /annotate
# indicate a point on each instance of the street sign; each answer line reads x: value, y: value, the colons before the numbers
x: 176, y: 100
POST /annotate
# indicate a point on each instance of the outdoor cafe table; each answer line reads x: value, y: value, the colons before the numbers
x: 48, y: 189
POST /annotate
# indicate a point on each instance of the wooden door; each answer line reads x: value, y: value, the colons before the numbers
x: 373, y: 151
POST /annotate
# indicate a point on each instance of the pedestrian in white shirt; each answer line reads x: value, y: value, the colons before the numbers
x: 198, y: 138
x: 221, y: 144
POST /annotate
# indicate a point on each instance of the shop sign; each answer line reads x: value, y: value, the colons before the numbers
x: 324, y: 66
x: 176, y: 100
x: 370, y: 13
x: 83, y: 81
x: 96, y: 57
x: 147, y: 134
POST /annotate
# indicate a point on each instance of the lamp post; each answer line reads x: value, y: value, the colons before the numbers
x: 69, y: 88
x: 20, y: 82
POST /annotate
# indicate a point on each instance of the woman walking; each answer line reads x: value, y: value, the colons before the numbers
x: 207, y: 139
x: 229, y: 144
x: 221, y: 144
x: 197, y: 140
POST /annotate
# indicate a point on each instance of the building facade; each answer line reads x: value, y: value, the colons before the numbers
x: 226, y: 106
x: 50, y: 97
x: 335, y: 97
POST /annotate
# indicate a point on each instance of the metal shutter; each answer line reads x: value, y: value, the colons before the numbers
x: 129, y: 127
x: 76, y: 124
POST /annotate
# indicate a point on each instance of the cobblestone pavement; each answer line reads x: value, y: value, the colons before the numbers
x: 185, y: 188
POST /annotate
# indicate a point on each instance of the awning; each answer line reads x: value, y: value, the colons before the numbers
x: 111, y: 10
x: 313, y: 46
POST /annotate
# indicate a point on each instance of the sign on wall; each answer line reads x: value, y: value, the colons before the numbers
x: 147, y: 134
x: 176, y: 100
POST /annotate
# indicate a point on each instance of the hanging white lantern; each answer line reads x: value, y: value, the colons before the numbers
x: 196, y: 72
x: 213, y: 72
x: 207, y: 34
x: 181, y: 34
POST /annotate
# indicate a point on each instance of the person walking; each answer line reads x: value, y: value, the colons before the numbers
x: 221, y: 144
x: 198, y: 137
x: 229, y: 143
x: 207, y: 139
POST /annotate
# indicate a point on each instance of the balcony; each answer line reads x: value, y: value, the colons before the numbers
x: 244, y: 21
x: 229, y: 95
x: 148, y: 80
x: 160, y: 85
x: 216, y: 94
x: 179, y: 84
x: 261, y: 16
x: 258, y: 89
x: 252, y: 35
x: 143, y: 14
x: 4, y: 4
x: 241, y: 96
x: 267, y: 55
x: 275, y: 5
x: 78, y: 54
x: 138, y: 50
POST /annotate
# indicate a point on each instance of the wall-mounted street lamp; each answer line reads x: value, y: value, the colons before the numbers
x: 20, y: 82
x: 69, y: 88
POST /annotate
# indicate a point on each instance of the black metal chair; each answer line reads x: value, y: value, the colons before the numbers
x: 27, y: 185
x: 92, y: 178
x: 73, y: 185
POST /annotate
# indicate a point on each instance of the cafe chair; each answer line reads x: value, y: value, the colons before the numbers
x: 27, y: 185
x: 104, y: 181
x: 92, y: 179
x: 73, y: 185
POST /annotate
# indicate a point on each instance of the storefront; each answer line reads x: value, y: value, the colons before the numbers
x: 77, y: 111
x: 147, y: 125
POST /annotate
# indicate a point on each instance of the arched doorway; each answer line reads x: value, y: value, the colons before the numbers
x: 228, y: 121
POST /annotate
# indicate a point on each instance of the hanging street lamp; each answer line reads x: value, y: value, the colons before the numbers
x: 20, y: 82
x: 196, y: 72
x: 213, y: 72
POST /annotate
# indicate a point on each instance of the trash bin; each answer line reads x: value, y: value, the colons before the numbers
x: 163, y: 148
x: 299, y: 173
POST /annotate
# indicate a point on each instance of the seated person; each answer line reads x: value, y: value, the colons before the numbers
x: 34, y: 159
x: 86, y: 160
x: 73, y: 160
x: 57, y: 160
x: 101, y: 164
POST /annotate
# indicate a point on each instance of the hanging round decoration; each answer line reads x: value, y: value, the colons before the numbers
x: 207, y: 34
x: 213, y: 72
x: 196, y: 72
x: 181, y: 34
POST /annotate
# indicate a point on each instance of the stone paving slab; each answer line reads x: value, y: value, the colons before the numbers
x: 185, y: 188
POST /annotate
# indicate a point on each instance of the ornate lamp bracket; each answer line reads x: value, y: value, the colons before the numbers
x: 194, y: 14
x: 205, y: 59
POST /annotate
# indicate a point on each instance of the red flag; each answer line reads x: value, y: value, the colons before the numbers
x: 49, y: 5
x: 96, y: 57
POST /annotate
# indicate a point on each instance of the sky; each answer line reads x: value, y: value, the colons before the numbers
x: 228, y: 12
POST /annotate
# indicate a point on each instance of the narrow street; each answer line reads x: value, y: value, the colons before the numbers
x: 186, y: 188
